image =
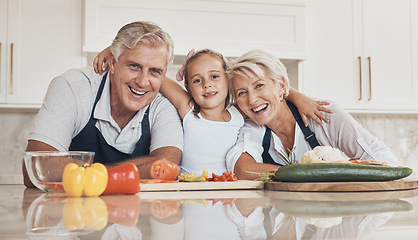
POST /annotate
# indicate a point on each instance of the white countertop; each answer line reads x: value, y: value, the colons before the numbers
x: 226, y: 214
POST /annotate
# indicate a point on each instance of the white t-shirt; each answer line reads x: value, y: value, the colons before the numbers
x: 206, y: 142
x: 67, y: 108
x: 342, y: 132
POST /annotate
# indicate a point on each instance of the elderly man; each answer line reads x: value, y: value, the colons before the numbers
x: 119, y: 115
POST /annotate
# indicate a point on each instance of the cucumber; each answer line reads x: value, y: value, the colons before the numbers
x: 339, y: 172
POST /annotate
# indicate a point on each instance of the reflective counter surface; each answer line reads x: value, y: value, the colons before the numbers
x: 234, y: 214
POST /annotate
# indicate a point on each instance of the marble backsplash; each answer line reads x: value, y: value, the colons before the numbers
x: 399, y: 132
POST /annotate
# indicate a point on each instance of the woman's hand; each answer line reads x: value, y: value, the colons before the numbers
x: 101, y: 61
x: 309, y: 107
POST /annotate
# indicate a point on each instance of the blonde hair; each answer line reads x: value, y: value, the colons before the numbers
x: 260, y: 64
x: 147, y: 33
x: 196, y: 107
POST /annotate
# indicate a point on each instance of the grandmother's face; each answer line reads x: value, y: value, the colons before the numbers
x: 259, y: 98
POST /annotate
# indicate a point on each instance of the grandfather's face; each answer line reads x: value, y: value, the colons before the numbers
x: 258, y: 98
x: 137, y: 77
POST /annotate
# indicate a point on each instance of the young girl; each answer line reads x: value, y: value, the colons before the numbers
x: 211, y: 124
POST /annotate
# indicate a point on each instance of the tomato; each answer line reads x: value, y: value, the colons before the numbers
x: 231, y: 177
x: 165, y: 170
x: 123, y: 179
x: 225, y: 177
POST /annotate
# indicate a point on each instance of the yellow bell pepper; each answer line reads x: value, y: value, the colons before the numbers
x: 183, y: 176
x: 205, y: 173
x: 90, y: 180
x: 90, y: 213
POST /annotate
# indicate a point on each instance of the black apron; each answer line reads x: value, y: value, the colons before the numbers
x: 91, y: 139
x: 309, y: 135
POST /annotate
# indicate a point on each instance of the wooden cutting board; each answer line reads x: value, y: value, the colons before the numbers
x: 188, y: 186
x: 342, y: 186
x: 218, y: 194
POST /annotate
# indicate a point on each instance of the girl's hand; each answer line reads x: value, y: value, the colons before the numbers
x: 313, y: 109
x: 101, y: 61
x: 309, y: 107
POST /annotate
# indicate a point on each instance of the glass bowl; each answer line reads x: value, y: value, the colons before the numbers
x: 45, y: 168
x: 45, y: 218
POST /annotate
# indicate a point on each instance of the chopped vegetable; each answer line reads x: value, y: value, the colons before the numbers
x: 55, y: 186
x: 205, y: 173
x: 163, y: 169
x: 225, y: 177
x: 195, y: 179
x: 157, y: 181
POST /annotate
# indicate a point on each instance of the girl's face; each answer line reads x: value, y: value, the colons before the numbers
x: 259, y: 98
x: 207, y: 82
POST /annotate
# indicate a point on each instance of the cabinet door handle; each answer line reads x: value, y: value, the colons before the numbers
x: 11, y: 69
x: 370, y: 78
x: 361, y: 82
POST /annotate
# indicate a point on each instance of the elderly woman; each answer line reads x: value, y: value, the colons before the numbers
x: 260, y: 86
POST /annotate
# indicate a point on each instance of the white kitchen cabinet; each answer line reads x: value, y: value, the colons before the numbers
x: 363, y: 54
x: 231, y: 27
x: 3, y: 47
x: 40, y: 39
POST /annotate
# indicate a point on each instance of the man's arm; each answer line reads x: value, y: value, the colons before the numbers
x: 34, y: 145
x: 144, y: 163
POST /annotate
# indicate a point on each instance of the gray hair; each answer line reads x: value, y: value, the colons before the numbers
x: 147, y: 33
x: 258, y: 63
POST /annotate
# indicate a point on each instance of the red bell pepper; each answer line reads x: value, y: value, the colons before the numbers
x: 123, y: 179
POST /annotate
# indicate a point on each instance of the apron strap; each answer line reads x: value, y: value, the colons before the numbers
x: 309, y: 135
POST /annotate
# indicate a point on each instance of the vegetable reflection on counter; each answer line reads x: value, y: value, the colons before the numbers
x: 88, y: 180
x: 95, y: 212
x: 123, y: 209
x: 81, y: 213
x: 164, y: 208
x: 323, y: 209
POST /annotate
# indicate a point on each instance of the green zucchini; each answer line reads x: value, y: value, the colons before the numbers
x: 339, y: 172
